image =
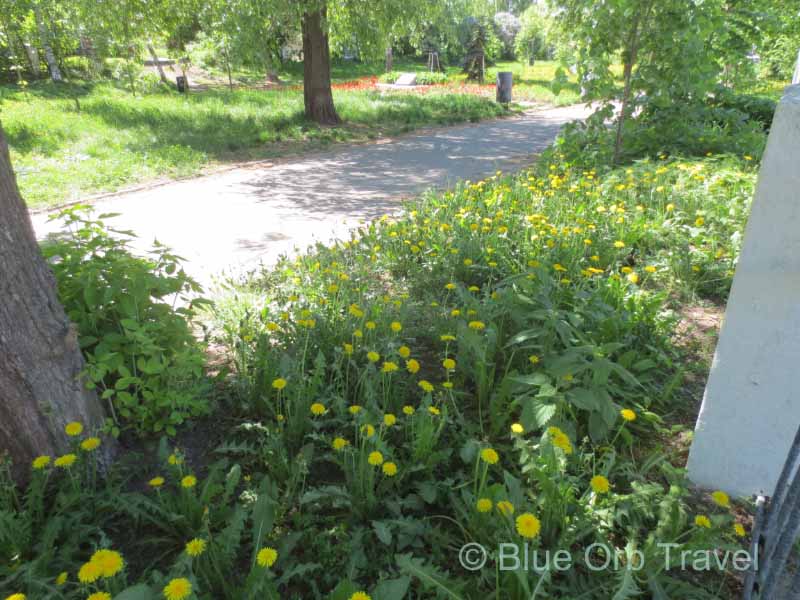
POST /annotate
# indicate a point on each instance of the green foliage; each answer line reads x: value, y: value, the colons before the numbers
x: 141, y: 354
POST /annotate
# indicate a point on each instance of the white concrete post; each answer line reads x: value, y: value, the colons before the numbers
x: 751, y: 405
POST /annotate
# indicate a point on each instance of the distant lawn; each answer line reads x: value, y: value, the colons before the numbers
x: 63, y: 150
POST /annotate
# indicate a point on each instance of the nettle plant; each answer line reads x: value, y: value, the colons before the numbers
x: 134, y: 318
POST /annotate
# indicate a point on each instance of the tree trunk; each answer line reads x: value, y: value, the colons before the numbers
x: 389, y: 58
x: 317, y: 92
x: 630, y: 57
x: 44, y: 40
x: 154, y: 56
x: 40, y: 362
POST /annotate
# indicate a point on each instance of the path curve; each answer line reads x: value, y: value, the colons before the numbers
x: 233, y: 220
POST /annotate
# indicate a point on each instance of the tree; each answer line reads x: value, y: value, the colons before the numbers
x: 40, y: 361
x: 45, y: 41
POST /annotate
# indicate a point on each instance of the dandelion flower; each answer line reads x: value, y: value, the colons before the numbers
x: 628, y: 414
x: 348, y: 349
x: 600, y: 484
x: 174, y: 459
x: 74, y: 428
x: 317, y: 409
x: 702, y: 521
x: 633, y: 278
x: 373, y: 356
x: 408, y: 410
x: 156, y: 482
x: 450, y: 286
x: 89, y: 572
x: 178, y: 589
x: 65, y: 461
x: 404, y: 351
x: 477, y: 325
x: 447, y: 337
x: 720, y: 498
x: 396, y: 326
x: 354, y: 409
x: 489, y: 455
x: 370, y: 325
x: 90, y: 444
x: 267, y: 556
x: 99, y: 596
x: 528, y: 526
x: 360, y: 596
x: 339, y: 443
x: 619, y: 244
x: 484, y: 505
x: 195, y: 547
x: 389, y: 419
x: 449, y: 364
x: 40, y: 462
x: 389, y: 469
x: 279, y: 383
x: 517, y: 428
x: 17, y: 597
x: 425, y: 385
x: 389, y: 367
x: 375, y: 458
x: 738, y: 529
x: 62, y: 578
x: 109, y: 561
x: 533, y: 359
x: 368, y: 430
x: 189, y: 481
x: 412, y: 366
x: 434, y: 411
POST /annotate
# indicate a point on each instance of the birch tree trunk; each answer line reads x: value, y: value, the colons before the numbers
x: 44, y: 40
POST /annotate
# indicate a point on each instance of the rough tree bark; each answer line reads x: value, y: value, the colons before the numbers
x: 154, y: 56
x: 317, y: 92
x: 44, y: 40
x: 40, y: 361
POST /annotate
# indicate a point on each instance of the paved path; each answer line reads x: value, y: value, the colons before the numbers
x: 235, y: 219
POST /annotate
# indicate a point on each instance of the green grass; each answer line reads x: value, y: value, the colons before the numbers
x: 63, y: 150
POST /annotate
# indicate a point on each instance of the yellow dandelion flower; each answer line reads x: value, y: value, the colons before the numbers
x: 517, y: 428
x: 720, y: 498
x: 490, y: 456
x: 739, y: 530
x: 447, y: 337
x: 389, y: 419
x: 360, y: 596
x: 434, y: 411
x: 89, y: 572
x: 533, y: 359
x: 702, y: 521
x: 633, y: 278
x: 354, y: 409
x: 90, y: 444
x: 450, y: 286
x: 425, y: 385
x: 174, y: 459
x: 317, y: 409
x: 477, y: 325
x: 178, y: 589
x: 448, y: 385
x: 628, y: 414
x: 396, y: 326
x: 195, y: 547
x: 373, y: 356
x: 389, y: 366
x: 600, y: 484
x: 408, y: 410
x: 650, y: 269
x: 74, y: 428
x: 619, y: 244
x: 62, y: 578
x: 505, y: 507
x: 266, y: 557
x: 109, y: 561
x: 370, y: 325
x: 156, y: 482
x: 40, y: 462
x: 528, y: 526
x: 340, y: 443
x: 375, y: 458
x: 484, y: 505
x: 389, y: 469
x: 404, y: 351
x: 412, y: 365
x: 99, y: 596
x: 17, y: 597
x: 279, y: 383
x: 65, y: 461
x: 449, y: 364
x: 368, y: 430
x: 348, y: 349
x: 189, y: 481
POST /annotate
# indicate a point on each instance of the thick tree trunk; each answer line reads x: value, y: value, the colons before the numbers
x: 44, y: 40
x: 317, y: 92
x: 40, y: 362
x: 154, y: 56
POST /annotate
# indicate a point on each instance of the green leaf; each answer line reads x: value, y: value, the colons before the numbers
x: 137, y: 592
x: 392, y: 589
x: 383, y: 532
x: 428, y: 576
